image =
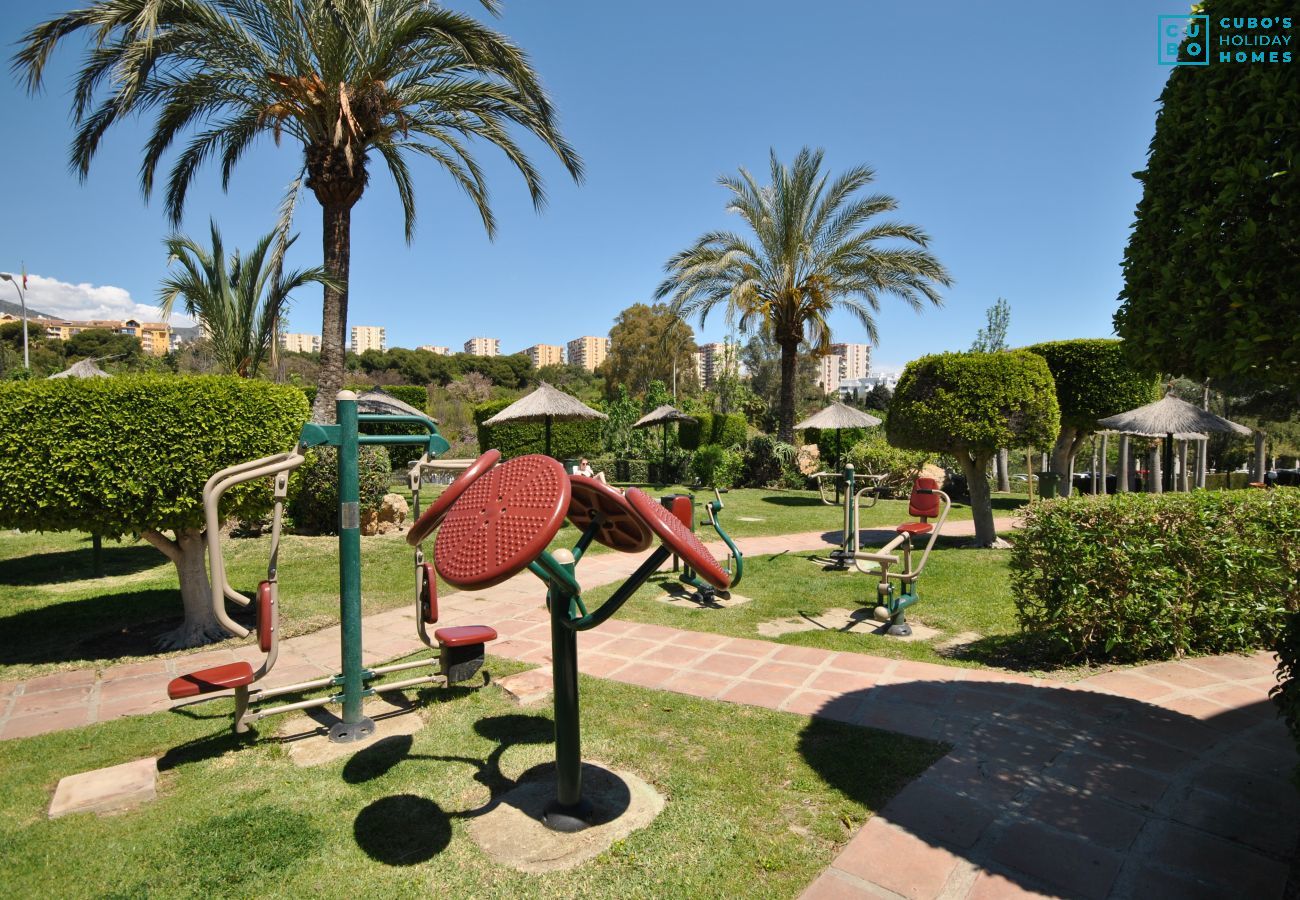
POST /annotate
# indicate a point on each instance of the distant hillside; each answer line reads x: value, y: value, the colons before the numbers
x: 15, y: 309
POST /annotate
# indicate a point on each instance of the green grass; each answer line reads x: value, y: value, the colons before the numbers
x: 961, y: 591
x: 758, y: 802
x: 54, y: 615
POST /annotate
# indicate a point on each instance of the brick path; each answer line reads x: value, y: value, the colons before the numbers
x: 1167, y: 780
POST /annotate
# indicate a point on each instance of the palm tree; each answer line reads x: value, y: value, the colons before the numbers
x: 346, y: 80
x: 814, y: 251
x: 239, y: 304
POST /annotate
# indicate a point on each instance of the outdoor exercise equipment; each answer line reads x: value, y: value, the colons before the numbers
x: 925, y: 502
x: 501, y: 522
x: 842, y: 556
x: 459, y: 648
x: 682, y: 506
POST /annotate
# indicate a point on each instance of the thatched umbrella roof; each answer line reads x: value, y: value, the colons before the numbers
x: 1170, y: 416
x: 662, y: 416
x: 546, y: 404
x: 838, y: 416
x: 84, y: 368
x: 378, y: 401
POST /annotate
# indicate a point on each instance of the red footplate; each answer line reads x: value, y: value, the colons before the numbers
x: 464, y: 635
x: 218, y: 678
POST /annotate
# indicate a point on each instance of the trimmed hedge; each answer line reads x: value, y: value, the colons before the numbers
x: 568, y: 439
x: 314, y: 488
x: 1156, y: 576
x: 725, y: 430
x: 1095, y: 379
x: 634, y: 471
x: 719, y: 467
x: 131, y: 453
x: 1286, y: 693
x: 408, y: 393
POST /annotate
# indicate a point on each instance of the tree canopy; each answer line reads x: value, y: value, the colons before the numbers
x: 644, y: 343
x: 1212, y: 268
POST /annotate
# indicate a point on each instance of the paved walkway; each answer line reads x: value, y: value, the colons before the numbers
x: 1165, y: 781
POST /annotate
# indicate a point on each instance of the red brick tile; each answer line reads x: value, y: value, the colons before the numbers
x: 7, y: 688
x: 645, y: 675
x: 861, y: 663
x: 724, y: 664
x: 698, y: 684
x: 669, y: 655
x: 1252, y: 788
x: 48, y: 701
x: 110, y: 691
x: 808, y: 656
x: 1087, y: 815
x: 1180, y: 675
x: 782, y: 673
x: 992, y: 886
x: 807, y: 703
x: 628, y: 647
x: 893, y: 858
x: 1134, y: 749
x: 1193, y: 705
x: 1109, y: 778
x: 699, y: 639
x: 830, y: 886
x: 133, y: 706
x: 600, y: 665
x: 1235, y: 697
x: 135, y: 670
x: 1067, y: 863
x: 921, y: 693
x: 1238, y: 668
x: 1154, y: 883
x: 1237, y: 870
x: 930, y: 811
x: 917, y: 721
x: 907, y: 669
x: 770, y: 696
x: 842, y: 682
x: 1128, y: 684
x: 41, y: 723
x: 60, y: 681
x: 1260, y: 826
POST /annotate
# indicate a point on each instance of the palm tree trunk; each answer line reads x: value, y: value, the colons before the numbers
x: 337, y: 235
x: 789, y: 371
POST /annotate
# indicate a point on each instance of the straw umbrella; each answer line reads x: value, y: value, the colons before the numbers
x: 838, y: 417
x: 665, y: 416
x: 547, y: 405
x: 85, y: 368
x: 1171, y: 419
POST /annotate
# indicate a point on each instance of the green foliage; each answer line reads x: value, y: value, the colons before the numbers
x: 722, y: 429
x: 634, y: 471
x: 568, y: 439
x: 1150, y: 576
x: 413, y: 395
x: 644, y: 343
x: 1212, y: 268
x: 974, y: 403
x: 101, y: 343
x: 1286, y: 693
x: 131, y: 453
x: 718, y: 466
x: 619, y: 436
x: 314, y: 487
x: 1094, y: 379
x: 422, y: 367
x: 993, y: 336
x: 771, y: 463
x: 873, y: 455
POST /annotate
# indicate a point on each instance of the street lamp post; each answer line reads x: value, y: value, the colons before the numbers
x: 22, y: 301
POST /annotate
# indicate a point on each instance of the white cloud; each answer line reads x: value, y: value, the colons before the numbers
x: 88, y: 301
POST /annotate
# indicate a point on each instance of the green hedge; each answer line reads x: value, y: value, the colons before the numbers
x: 131, y: 453
x: 1286, y: 693
x: 725, y: 430
x: 1149, y: 576
x: 314, y: 488
x: 1223, y: 481
x: 568, y: 439
x: 720, y: 467
x: 624, y: 471
x: 412, y: 394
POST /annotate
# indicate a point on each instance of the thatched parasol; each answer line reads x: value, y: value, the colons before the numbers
x: 838, y: 417
x: 379, y: 401
x: 664, y: 415
x: 546, y: 404
x: 1171, y: 419
x: 84, y: 368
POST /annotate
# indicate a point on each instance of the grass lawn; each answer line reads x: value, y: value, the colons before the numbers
x: 962, y: 591
x: 54, y: 615
x: 758, y: 803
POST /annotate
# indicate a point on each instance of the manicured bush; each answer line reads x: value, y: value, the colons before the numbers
x: 873, y: 455
x: 130, y: 455
x: 1151, y: 576
x: 716, y: 466
x: 771, y: 463
x: 1286, y: 693
x: 723, y: 429
x: 314, y: 490
x: 411, y: 394
x: 568, y: 439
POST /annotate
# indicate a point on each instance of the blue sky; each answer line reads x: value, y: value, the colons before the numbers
x: 1008, y: 130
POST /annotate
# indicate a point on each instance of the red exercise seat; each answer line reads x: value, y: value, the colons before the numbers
x: 218, y: 678
x: 464, y: 635
x: 914, y: 528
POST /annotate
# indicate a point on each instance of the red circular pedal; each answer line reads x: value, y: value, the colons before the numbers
x: 502, y: 522
x: 623, y: 528
x: 432, y: 517
x: 678, y: 538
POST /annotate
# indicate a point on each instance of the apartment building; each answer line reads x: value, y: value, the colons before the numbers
x: 155, y: 337
x: 588, y: 351
x: 828, y: 373
x: 855, y: 360
x: 545, y: 355
x: 715, y: 360
x: 483, y: 346
x: 435, y: 349
x: 368, y: 337
x: 303, y: 343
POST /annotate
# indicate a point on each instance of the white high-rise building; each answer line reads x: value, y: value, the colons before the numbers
x: 483, y: 346
x: 436, y: 349
x: 542, y: 355
x: 300, y: 343
x: 588, y: 351
x: 828, y: 373
x: 368, y: 337
x: 855, y: 360
x: 715, y: 360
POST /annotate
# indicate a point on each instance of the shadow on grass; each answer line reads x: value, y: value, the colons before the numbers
x: 76, y: 565
x: 793, y: 500
x: 1025, y: 757
x: 870, y: 538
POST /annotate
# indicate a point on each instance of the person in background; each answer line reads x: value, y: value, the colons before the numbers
x: 584, y: 468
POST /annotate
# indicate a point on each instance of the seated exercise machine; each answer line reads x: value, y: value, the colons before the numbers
x: 499, y: 521
x: 683, y: 507
x: 925, y: 502
x: 842, y: 556
x: 460, y: 650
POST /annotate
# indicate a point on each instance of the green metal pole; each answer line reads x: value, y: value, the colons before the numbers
x: 569, y: 812
x: 355, y: 725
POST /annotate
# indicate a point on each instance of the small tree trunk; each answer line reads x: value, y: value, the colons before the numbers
x: 789, y: 370
x: 1105, y: 462
x: 1122, y: 475
x: 337, y: 227
x: 1063, y: 458
x: 1155, y: 476
x: 188, y: 552
x: 981, y: 500
x: 1003, y: 464
x: 1261, y: 465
